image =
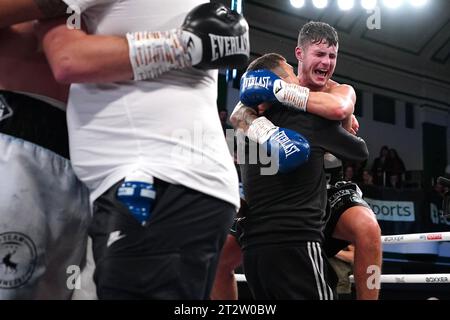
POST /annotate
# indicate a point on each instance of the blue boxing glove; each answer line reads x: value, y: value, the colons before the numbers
x: 257, y: 87
x: 263, y: 85
x: 290, y: 148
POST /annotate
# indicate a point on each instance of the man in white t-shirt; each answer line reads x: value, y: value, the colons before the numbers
x: 163, y: 184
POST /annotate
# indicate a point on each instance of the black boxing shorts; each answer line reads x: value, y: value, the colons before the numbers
x: 341, y: 196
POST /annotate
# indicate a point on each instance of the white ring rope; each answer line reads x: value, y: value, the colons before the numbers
x: 416, y: 237
x: 240, y: 277
x: 433, y: 278
x: 404, y: 278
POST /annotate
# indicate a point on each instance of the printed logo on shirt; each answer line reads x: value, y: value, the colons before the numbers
x: 17, y: 259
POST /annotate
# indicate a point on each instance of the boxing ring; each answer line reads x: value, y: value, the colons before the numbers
x: 417, y: 238
x: 431, y: 278
x: 414, y: 278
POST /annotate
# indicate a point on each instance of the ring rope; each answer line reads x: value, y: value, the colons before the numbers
x: 432, y: 278
x: 416, y: 237
x: 404, y: 278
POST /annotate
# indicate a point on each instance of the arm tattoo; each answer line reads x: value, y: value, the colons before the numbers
x: 51, y: 8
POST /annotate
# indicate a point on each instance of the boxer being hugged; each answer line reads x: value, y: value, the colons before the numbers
x: 282, y: 231
x: 351, y: 219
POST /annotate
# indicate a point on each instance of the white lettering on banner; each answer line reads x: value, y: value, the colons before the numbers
x: 435, y: 236
x: 436, y: 280
x: 393, y: 239
x: 437, y: 216
x: 392, y: 210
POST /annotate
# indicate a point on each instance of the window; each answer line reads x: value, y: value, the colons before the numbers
x: 383, y: 109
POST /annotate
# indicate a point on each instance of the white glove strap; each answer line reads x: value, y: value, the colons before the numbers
x: 153, y: 53
x: 291, y: 94
x: 261, y: 129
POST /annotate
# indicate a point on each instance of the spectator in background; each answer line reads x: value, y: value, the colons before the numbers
x: 367, y: 178
x: 378, y: 167
x: 395, y: 181
x: 355, y: 172
x: 439, y: 196
x: 358, y: 169
x: 348, y: 173
x: 440, y: 189
x: 395, y: 169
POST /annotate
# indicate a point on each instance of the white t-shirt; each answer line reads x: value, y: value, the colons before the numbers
x: 168, y: 127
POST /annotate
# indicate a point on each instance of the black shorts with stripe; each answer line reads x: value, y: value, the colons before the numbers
x: 342, y: 196
x: 289, y: 272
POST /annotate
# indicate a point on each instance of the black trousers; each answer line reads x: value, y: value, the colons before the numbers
x: 173, y: 257
x: 289, y: 272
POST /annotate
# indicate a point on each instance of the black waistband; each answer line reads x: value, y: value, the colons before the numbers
x: 35, y: 121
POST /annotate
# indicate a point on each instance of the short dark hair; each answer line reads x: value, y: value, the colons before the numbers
x: 315, y: 32
x: 268, y: 61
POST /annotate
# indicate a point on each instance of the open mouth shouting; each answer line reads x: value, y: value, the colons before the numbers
x: 321, y: 74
